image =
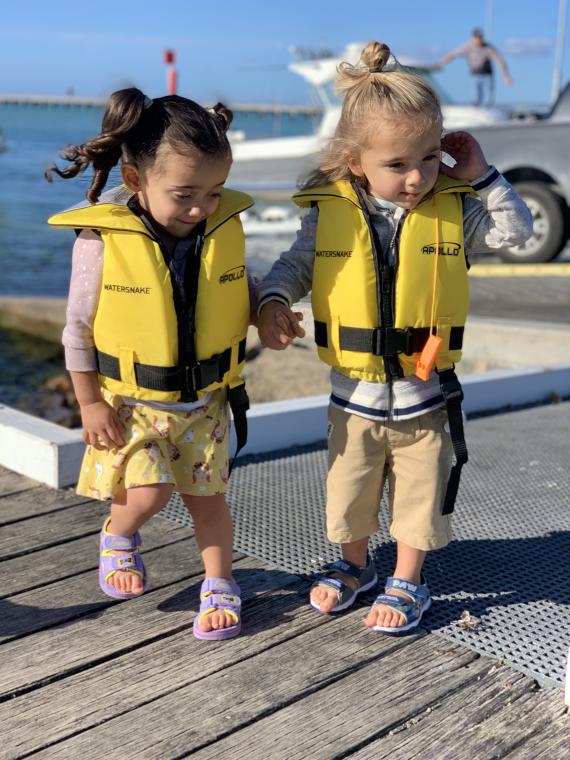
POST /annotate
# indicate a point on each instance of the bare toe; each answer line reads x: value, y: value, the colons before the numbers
x: 205, y: 623
x: 384, y: 616
x: 324, y: 598
x: 318, y: 595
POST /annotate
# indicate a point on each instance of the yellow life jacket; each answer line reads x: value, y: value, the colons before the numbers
x: 147, y: 346
x: 365, y: 311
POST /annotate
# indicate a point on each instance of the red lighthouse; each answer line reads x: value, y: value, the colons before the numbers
x: 171, y: 72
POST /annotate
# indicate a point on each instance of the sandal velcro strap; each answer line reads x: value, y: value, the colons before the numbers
x: 112, y: 543
x: 119, y: 543
x: 393, y: 601
x: 415, y: 591
x: 343, y: 566
x: 130, y: 563
x: 335, y: 583
x: 409, y: 611
x: 222, y: 601
x: 125, y: 562
x: 218, y: 586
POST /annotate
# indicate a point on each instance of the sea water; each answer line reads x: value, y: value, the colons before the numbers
x: 34, y: 259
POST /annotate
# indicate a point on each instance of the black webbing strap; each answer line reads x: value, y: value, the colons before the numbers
x: 239, y: 404
x: 388, y: 341
x: 453, y: 395
x: 321, y: 335
x: 184, y: 379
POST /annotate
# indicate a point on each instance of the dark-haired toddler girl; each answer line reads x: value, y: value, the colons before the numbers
x: 155, y: 334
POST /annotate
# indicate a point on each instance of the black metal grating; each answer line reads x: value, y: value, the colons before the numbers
x: 509, y: 566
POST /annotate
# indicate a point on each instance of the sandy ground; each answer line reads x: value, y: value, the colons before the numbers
x: 276, y: 375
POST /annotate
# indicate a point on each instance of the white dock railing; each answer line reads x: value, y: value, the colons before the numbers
x: 52, y: 454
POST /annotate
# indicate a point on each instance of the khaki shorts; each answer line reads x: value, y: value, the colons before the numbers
x: 188, y: 449
x: 416, y: 457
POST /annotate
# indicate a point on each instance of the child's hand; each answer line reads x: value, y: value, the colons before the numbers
x: 465, y: 149
x: 102, y: 427
x: 278, y: 325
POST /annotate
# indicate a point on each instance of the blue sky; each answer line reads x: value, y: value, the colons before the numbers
x: 238, y: 51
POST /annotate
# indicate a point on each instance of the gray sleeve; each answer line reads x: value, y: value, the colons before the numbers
x: 291, y: 277
x: 252, y: 281
x: 86, y: 276
x: 497, y: 217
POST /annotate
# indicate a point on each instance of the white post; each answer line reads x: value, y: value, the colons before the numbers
x: 567, y: 690
x: 559, y: 51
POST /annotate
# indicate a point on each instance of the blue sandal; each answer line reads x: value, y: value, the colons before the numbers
x: 412, y: 610
x: 346, y: 596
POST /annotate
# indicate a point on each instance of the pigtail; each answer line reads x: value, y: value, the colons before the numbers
x: 123, y: 113
x: 224, y: 115
x: 134, y: 128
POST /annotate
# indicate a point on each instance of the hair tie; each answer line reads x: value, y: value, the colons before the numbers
x: 147, y: 102
x: 375, y: 69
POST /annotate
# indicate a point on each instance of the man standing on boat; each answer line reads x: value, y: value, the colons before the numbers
x: 480, y: 55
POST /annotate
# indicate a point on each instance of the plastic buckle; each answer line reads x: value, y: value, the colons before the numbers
x: 451, y: 390
x: 205, y: 373
x: 406, y: 333
x: 391, y: 341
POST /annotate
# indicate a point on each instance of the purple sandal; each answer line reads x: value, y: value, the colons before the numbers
x: 109, y: 563
x: 219, y: 594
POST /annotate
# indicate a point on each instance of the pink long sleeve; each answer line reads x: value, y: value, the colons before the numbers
x: 86, y: 275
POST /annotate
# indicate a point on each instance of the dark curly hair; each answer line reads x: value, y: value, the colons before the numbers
x: 133, y: 129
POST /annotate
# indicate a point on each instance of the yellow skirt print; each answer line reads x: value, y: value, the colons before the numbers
x: 188, y: 449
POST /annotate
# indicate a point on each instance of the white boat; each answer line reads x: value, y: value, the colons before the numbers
x: 271, y: 167
x: 277, y: 221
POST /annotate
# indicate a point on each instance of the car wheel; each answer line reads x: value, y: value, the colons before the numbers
x: 549, y: 228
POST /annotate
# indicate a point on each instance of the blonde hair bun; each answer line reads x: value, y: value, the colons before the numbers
x: 375, y: 56
x: 373, y: 59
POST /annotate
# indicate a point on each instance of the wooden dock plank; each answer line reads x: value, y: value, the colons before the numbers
x: 553, y: 741
x: 120, y: 685
x: 79, y: 595
x: 35, y: 501
x: 40, y: 568
x: 12, y: 482
x: 494, y: 717
x: 107, y: 633
x: 108, y: 677
x: 52, y: 529
x: 316, y: 680
x: 330, y: 722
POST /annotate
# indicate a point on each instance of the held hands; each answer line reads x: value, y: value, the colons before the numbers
x: 465, y: 149
x: 102, y: 427
x: 278, y: 325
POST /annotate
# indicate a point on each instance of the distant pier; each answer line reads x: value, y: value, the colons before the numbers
x: 73, y: 101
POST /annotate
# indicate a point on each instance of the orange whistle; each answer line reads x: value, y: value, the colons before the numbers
x: 428, y: 356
